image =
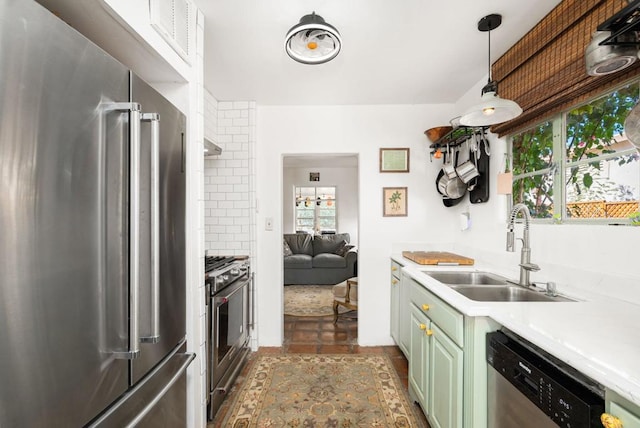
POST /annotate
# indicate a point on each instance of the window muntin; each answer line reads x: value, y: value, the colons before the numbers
x: 315, y: 209
x: 600, y: 174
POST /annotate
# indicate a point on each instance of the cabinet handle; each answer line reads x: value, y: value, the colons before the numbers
x: 393, y: 269
x: 394, y: 281
x: 425, y: 307
x: 610, y: 421
x: 423, y: 326
x: 429, y: 332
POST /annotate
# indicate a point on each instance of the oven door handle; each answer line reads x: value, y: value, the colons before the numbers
x: 219, y: 300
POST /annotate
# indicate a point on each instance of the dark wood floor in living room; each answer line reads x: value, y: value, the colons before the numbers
x: 319, y: 335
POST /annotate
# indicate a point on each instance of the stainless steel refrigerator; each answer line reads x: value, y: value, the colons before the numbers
x: 92, y: 234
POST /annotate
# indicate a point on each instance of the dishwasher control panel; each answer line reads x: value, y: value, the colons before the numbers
x: 567, y: 397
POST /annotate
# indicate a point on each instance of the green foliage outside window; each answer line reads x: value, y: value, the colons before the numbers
x: 579, y: 159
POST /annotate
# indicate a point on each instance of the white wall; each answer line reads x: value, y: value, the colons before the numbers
x: 594, y: 258
x: 362, y: 130
x: 345, y: 179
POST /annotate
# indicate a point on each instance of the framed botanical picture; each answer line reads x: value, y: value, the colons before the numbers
x: 394, y: 201
x: 394, y: 160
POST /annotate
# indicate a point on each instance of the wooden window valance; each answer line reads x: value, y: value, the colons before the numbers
x: 545, y: 71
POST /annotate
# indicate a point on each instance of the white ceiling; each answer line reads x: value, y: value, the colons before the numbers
x: 394, y: 52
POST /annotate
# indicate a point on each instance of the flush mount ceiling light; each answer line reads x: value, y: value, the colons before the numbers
x: 492, y: 109
x: 604, y: 58
x: 312, y: 40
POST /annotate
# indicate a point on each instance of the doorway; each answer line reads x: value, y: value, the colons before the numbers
x: 333, y: 209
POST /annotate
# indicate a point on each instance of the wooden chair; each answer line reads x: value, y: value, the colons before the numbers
x: 345, y: 294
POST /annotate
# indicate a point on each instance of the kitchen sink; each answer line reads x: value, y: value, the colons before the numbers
x: 474, y: 278
x: 505, y: 294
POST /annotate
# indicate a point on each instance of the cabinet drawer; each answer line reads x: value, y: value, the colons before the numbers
x: 447, y: 318
x: 395, y: 269
x: 629, y: 420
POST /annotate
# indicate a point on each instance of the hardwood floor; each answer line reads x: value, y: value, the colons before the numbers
x: 319, y: 335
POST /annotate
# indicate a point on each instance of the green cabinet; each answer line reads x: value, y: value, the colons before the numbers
x: 436, y: 357
x: 620, y: 411
x: 420, y: 327
x: 399, y: 322
x: 445, y: 374
x: 405, y: 315
x: 395, y: 301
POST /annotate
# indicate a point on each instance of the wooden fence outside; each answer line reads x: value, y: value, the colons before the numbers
x: 602, y: 209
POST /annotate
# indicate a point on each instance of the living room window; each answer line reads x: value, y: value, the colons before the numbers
x: 316, y: 210
x: 579, y: 165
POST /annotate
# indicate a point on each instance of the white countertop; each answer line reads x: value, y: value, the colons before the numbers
x: 597, y: 335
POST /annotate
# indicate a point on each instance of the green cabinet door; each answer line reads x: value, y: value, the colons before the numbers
x: 395, y: 308
x: 445, y: 375
x: 404, y: 315
x: 419, y: 355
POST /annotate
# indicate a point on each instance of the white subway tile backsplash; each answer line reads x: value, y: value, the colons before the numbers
x: 241, y: 138
x: 226, y: 220
x: 242, y: 105
x: 239, y: 121
x: 229, y: 194
x: 235, y: 230
x: 240, y: 171
x: 233, y: 164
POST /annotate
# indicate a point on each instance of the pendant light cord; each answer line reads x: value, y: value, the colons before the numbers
x: 489, y: 58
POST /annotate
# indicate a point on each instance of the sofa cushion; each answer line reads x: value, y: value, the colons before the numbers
x: 286, y: 249
x: 300, y: 243
x: 298, y: 261
x: 328, y: 260
x: 328, y: 243
x: 343, y: 249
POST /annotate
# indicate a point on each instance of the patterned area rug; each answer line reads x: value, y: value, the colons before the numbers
x: 309, y: 300
x: 302, y: 390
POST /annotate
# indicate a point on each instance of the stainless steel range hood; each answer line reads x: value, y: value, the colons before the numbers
x: 211, y: 149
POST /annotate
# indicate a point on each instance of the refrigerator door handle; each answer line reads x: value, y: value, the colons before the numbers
x: 154, y: 119
x: 134, y: 228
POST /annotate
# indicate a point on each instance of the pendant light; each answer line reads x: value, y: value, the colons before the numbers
x: 312, y: 40
x: 492, y: 109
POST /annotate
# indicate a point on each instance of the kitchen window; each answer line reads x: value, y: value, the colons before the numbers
x: 579, y: 165
x: 315, y: 209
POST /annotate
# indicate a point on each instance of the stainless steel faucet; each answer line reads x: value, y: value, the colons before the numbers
x: 525, y: 256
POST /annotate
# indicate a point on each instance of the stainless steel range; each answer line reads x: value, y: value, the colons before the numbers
x: 229, y: 319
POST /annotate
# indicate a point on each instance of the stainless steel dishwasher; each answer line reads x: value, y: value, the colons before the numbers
x: 527, y: 387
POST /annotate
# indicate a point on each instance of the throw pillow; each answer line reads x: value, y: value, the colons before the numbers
x: 286, y: 249
x: 343, y: 249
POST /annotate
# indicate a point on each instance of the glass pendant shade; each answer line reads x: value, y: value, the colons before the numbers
x: 491, y: 110
x: 312, y: 40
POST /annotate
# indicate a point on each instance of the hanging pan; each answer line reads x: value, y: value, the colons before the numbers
x: 632, y: 126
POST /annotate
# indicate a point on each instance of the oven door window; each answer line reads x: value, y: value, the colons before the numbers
x: 230, y: 317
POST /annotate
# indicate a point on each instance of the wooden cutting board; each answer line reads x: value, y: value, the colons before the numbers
x: 437, y: 258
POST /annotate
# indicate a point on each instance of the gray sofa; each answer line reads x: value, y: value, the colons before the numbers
x: 319, y: 259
